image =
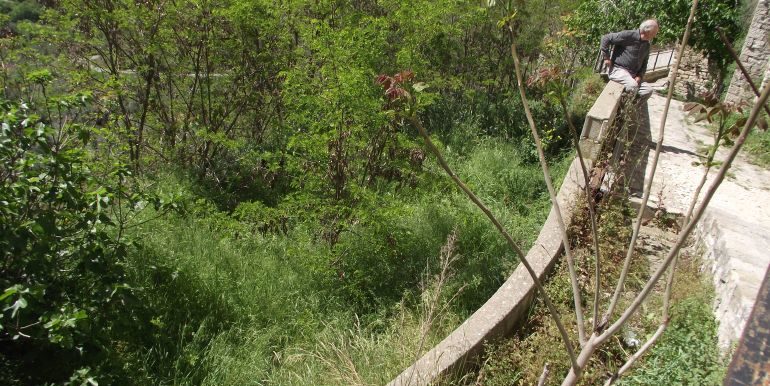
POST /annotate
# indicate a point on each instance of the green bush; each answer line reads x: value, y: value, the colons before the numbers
x: 758, y: 147
x: 589, y: 86
x: 384, y: 254
x: 26, y: 10
x: 63, y: 267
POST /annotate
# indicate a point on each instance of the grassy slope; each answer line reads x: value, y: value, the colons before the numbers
x: 231, y: 305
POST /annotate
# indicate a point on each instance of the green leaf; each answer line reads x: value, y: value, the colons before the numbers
x: 84, y: 135
x: 40, y: 76
x: 17, y: 305
x: 419, y: 86
x: 10, y: 291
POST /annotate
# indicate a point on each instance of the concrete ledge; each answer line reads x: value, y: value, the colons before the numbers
x: 600, y: 118
x: 508, y: 305
x: 731, y: 254
x: 653, y: 75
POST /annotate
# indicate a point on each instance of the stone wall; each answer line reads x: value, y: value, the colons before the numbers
x: 696, y: 74
x: 767, y: 75
x: 754, y: 55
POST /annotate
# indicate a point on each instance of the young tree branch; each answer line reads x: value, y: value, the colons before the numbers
x: 598, y: 337
x: 695, y: 217
x: 740, y: 65
x: 665, y: 318
x: 554, y: 202
x: 591, y: 211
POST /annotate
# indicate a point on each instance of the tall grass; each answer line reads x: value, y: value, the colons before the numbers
x: 225, y: 303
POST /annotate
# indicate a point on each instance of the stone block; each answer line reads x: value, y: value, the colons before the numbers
x: 600, y: 118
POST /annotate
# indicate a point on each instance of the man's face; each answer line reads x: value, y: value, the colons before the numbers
x: 650, y: 35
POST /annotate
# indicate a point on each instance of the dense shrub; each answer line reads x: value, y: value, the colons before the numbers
x: 589, y: 86
x: 63, y: 267
x: 307, y: 200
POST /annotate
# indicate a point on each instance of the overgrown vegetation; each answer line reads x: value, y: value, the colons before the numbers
x: 758, y: 146
x: 687, y: 353
x: 206, y: 193
x: 218, y: 192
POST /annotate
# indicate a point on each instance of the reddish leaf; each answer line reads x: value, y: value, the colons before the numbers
x: 384, y: 81
x: 735, y: 129
x: 718, y: 108
x: 394, y: 93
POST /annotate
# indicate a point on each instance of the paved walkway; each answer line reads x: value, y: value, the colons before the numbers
x: 735, y: 229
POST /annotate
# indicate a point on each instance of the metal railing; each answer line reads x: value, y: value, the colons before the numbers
x: 654, y: 62
x: 667, y: 55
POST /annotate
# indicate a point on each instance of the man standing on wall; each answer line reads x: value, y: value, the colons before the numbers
x: 629, y: 58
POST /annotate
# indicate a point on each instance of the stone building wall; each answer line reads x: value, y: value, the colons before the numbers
x: 697, y: 75
x: 766, y: 78
x: 754, y: 55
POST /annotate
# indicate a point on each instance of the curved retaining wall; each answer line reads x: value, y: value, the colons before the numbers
x: 509, y: 304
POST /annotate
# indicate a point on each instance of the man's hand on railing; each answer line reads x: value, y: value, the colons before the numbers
x: 607, y: 66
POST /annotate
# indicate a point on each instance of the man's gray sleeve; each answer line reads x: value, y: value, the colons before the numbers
x: 644, y: 67
x: 622, y: 37
x: 605, y: 46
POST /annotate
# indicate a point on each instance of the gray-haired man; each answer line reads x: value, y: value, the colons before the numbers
x: 629, y: 58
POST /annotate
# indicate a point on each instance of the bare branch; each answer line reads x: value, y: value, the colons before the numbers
x: 598, y: 338
x: 544, y: 375
x: 552, y: 193
x: 650, y: 342
x: 665, y: 319
x: 695, y: 217
x: 740, y: 66
x: 591, y: 212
